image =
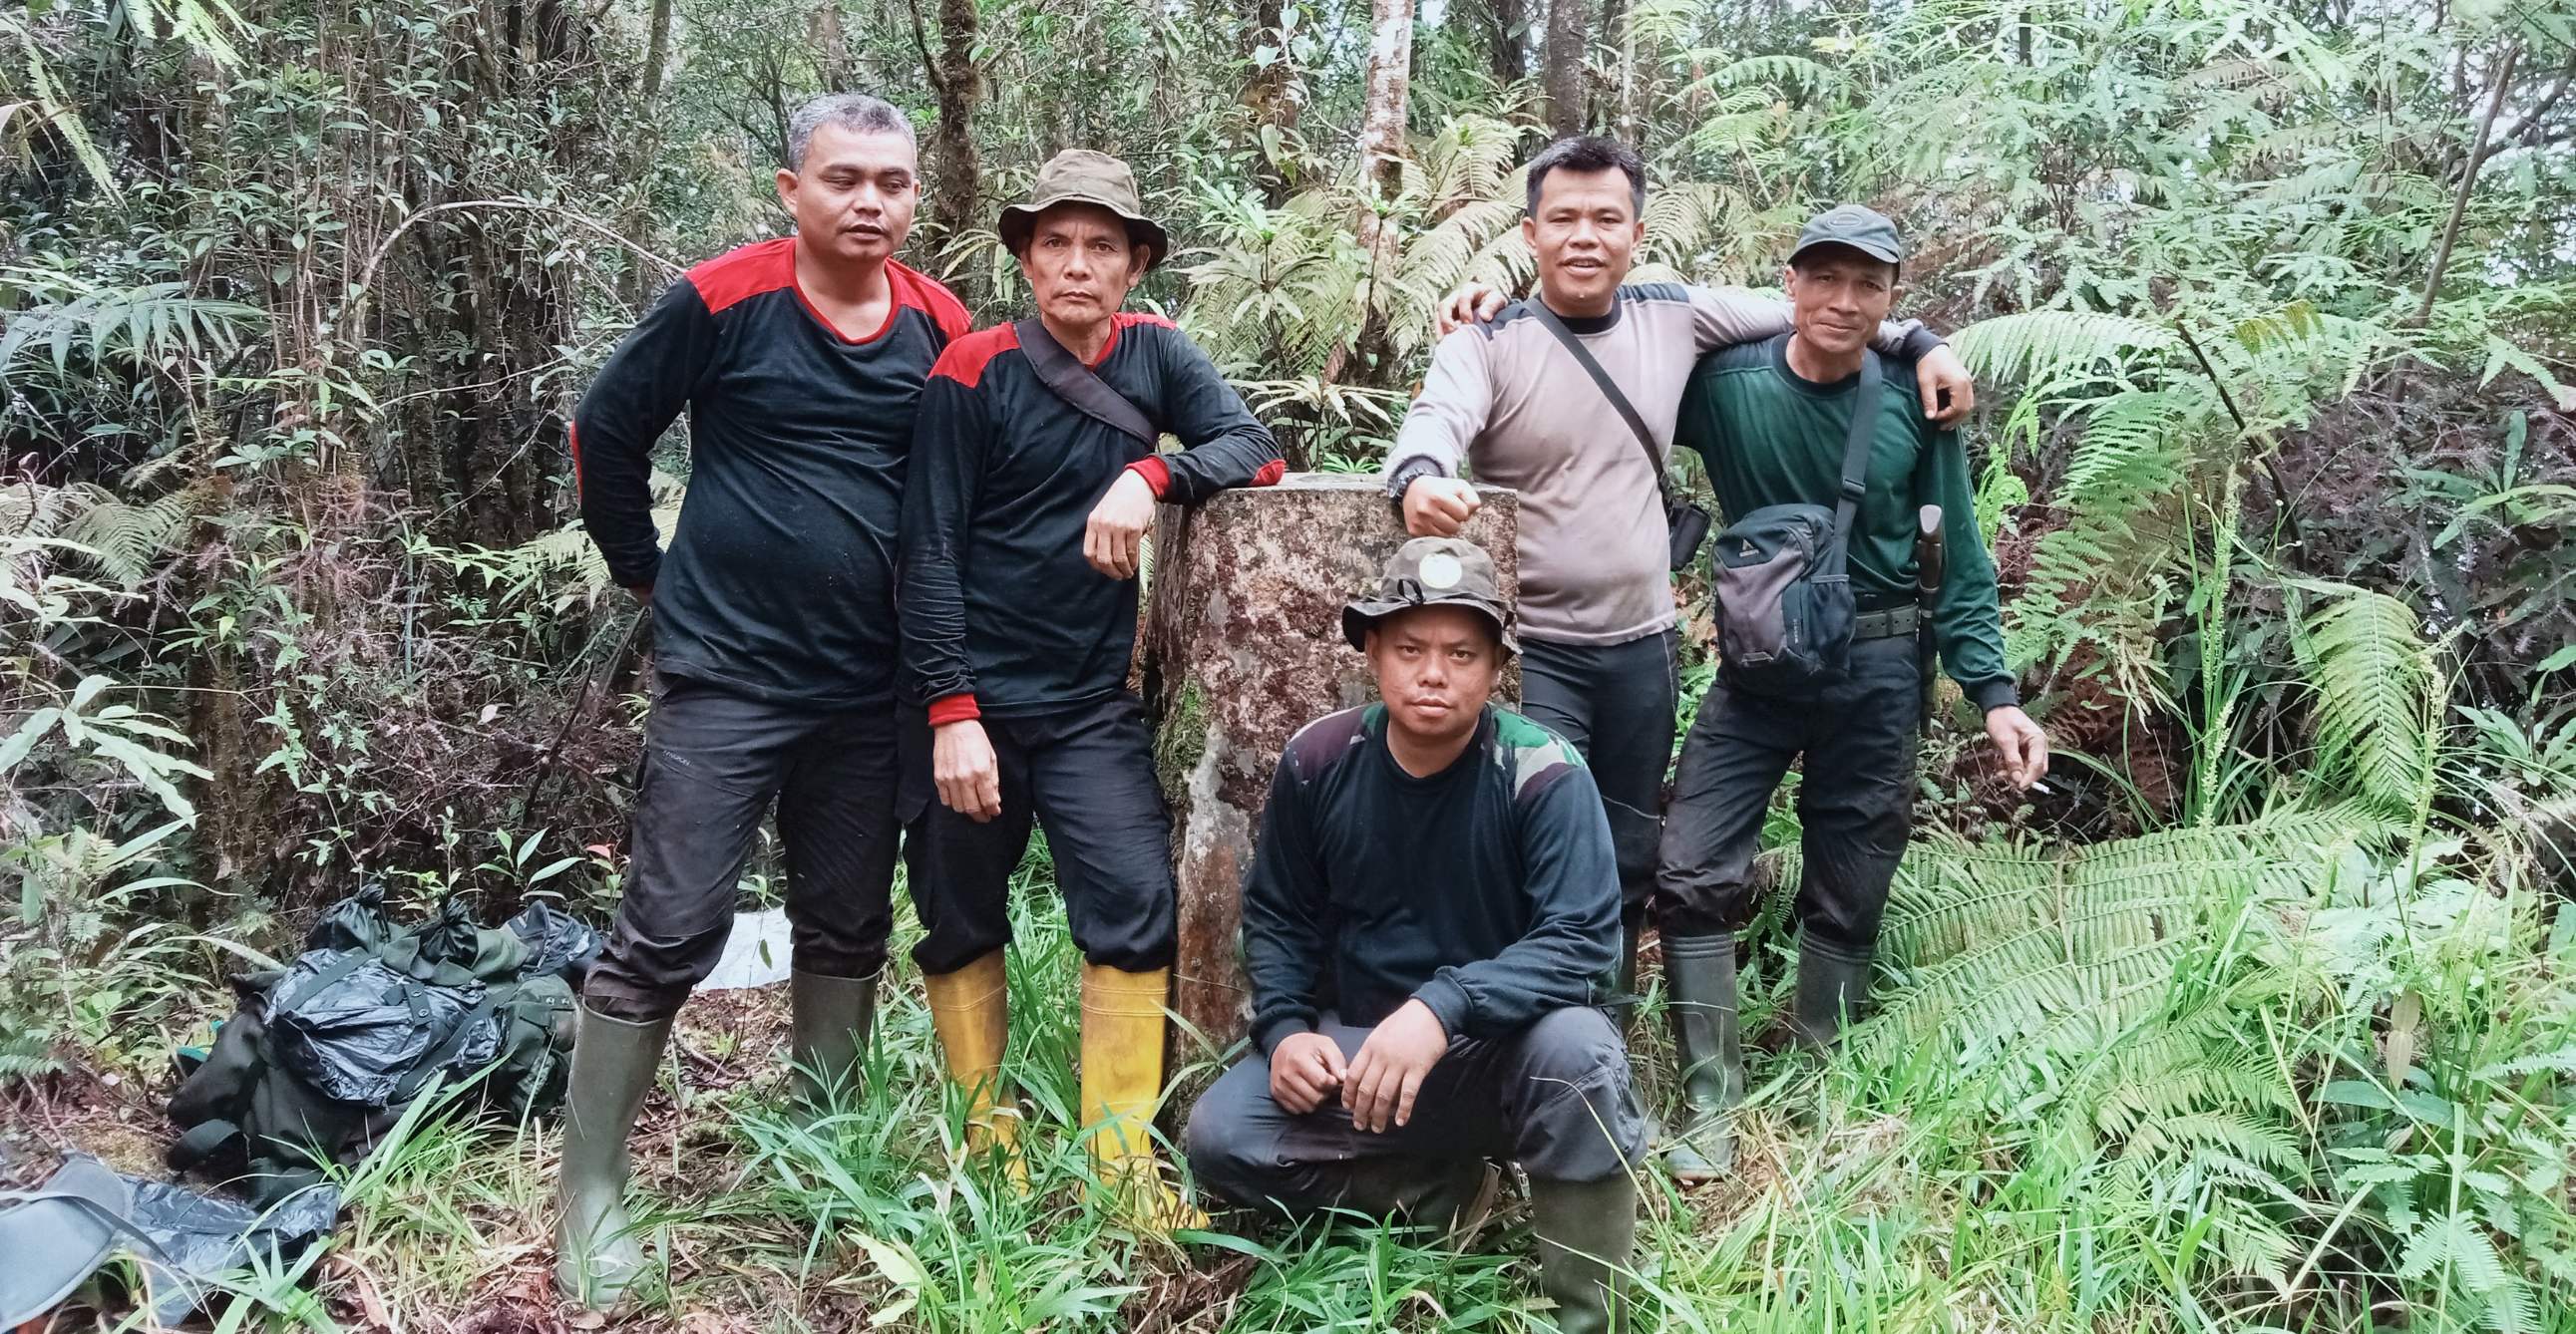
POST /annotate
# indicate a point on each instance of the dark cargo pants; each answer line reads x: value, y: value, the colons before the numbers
x: 1855, y: 799
x: 1554, y: 1098
x: 1086, y: 776
x: 713, y: 762
x: 1616, y: 703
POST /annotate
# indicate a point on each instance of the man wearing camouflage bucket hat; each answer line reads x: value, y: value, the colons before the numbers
x: 1431, y: 928
x: 1034, y: 477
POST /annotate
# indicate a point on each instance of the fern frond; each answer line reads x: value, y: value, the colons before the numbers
x: 2045, y: 344
x: 2373, y: 679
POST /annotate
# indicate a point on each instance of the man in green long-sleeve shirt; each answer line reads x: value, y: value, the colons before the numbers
x: 1771, y: 420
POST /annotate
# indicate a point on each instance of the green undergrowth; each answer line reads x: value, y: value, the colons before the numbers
x: 2298, y: 1074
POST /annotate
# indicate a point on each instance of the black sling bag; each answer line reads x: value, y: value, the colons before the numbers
x: 1683, y: 518
x: 1780, y: 576
x: 1081, y: 387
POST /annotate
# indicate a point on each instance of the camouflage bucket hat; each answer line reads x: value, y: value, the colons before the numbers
x: 1081, y: 176
x: 1433, y: 572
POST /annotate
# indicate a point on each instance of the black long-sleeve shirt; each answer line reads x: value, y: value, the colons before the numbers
x: 1487, y: 890
x: 780, y: 579
x: 1001, y: 613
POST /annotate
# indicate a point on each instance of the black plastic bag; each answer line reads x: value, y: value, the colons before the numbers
x: 558, y: 943
x: 358, y: 922
x: 356, y: 1031
x: 200, y: 1237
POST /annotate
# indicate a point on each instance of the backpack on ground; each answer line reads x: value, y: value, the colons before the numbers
x: 323, y: 1057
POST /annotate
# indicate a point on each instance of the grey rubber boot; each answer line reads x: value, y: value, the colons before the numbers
x: 1699, y: 978
x: 1587, y: 1239
x: 831, y: 1017
x: 596, y: 1257
x: 1832, y: 984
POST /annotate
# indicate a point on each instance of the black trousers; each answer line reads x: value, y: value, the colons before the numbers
x: 1086, y: 776
x: 713, y: 762
x: 1616, y: 704
x: 1855, y: 798
x: 1555, y: 1098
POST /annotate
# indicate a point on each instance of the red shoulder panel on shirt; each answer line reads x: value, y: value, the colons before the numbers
x: 748, y: 271
x: 931, y: 297
x: 1129, y: 319
x: 965, y: 359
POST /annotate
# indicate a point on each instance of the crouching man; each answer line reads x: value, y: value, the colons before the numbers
x: 1438, y: 871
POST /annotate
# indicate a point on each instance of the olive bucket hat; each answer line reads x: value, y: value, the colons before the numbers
x: 1433, y: 572
x: 1082, y: 176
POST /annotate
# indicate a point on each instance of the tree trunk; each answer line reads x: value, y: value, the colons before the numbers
x: 1506, y: 40
x: 831, y: 48
x: 1565, y: 40
x: 1390, y: 75
x: 1243, y: 647
x: 657, y: 45
x: 1390, y: 80
x: 1270, y: 94
x: 956, y: 171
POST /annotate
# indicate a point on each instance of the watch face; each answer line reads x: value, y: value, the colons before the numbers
x: 1441, y: 570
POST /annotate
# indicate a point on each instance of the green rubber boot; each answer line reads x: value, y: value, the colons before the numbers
x: 1699, y: 973
x: 1623, y: 1007
x: 1833, y: 981
x: 830, y: 1024
x: 596, y: 1255
x: 1587, y: 1238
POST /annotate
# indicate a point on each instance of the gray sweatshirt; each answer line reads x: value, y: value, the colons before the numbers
x: 1508, y: 398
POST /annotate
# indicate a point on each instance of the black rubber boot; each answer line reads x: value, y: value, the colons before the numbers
x: 1833, y: 981
x: 831, y: 1019
x: 1587, y: 1238
x: 597, y: 1257
x: 1699, y: 977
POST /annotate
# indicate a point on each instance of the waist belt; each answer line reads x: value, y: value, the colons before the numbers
x: 1903, y: 619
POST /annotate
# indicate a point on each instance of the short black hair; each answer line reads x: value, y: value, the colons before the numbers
x: 1586, y: 154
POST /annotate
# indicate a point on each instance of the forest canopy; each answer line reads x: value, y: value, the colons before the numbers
x: 2256, y: 1015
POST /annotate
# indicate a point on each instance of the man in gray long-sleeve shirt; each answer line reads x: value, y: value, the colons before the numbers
x: 1600, y: 661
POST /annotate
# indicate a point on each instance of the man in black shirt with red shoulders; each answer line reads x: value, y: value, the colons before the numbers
x: 1035, y: 477
x: 800, y: 363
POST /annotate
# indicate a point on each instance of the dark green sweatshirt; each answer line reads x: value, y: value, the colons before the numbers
x: 1772, y: 437
x: 1487, y: 890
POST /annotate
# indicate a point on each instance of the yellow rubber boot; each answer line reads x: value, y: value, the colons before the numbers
x: 1122, y: 1086
x: 970, y: 1009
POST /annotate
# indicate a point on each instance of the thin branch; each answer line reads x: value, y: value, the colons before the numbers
x: 356, y: 318
x: 2530, y: 121
x: 921, y: 43
x: 2280, y: 489
x: 2468, y: 182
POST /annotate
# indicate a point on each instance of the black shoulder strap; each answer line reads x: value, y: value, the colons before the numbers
x: 1079, y: 386
x: 1609, y: 390
x: 1864, y: 429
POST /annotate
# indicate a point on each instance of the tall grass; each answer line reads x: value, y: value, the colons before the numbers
x: 2267, y: 1077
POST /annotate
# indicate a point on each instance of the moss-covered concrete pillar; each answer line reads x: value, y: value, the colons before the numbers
x: 1243, y: 646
